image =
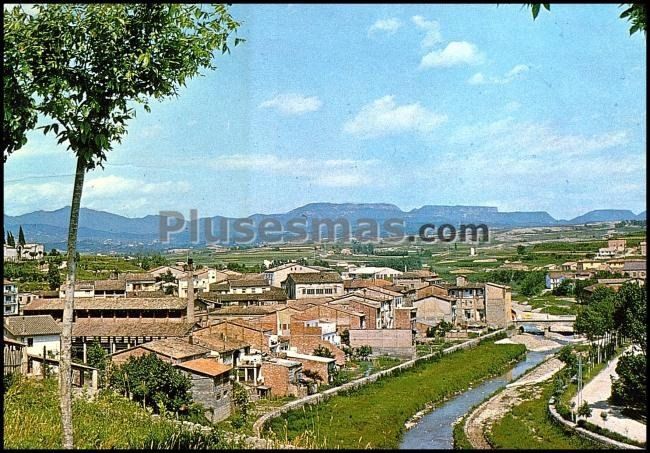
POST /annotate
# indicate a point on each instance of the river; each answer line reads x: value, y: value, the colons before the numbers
x: 435, y: 429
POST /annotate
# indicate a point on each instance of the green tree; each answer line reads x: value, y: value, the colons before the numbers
x: 322, y: 351
x: 364, y: 352
x: 630, y: 389
x: 521, y: 250
x: 53, y: 276
x: 584, y: 410
x: 345, y: 337
x: 10, y: 239
x: 154, y: 382
x: 565, y: 288
x: 532, y: 284
x: 631, y: 314
x: 83, y: 66
x: 634, y: 13
x: 21, y: 236
x: 98, y: 358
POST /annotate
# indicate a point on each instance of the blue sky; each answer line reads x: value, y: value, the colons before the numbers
x: 403, y: 104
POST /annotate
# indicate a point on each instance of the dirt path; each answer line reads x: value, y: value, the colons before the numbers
x: 482, y: 418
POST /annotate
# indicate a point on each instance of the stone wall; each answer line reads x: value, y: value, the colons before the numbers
x: 394, y: 342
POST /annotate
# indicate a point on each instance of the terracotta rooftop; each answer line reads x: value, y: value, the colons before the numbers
x: 313, y: 278
x: 365, y: 283
x: 274, y: 294
x: 110, y: 285
x: 138, y: 276
x: 216, y: 342
x: 287, y: 265
x: 32, y: 325
x: 112, y: 303
x: 248, y: 282
x: 94, y: 327
x: 237, y: 310
x: 208, y: 367
x: 636, y: 265
x: 175, y: 347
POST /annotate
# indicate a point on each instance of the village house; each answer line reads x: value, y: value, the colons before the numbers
x: 434, y: 308
x: 176, y: 271
x: 172, y: 349
x: 417, y: 278
x: 592, y: 265
x: 311, y: 285
x: 569, y: 266
x: 344, y: 319
x: 276, y: 276
x: 24, y: 299
x: 283, y: 377
x: 635, y: 269
x: 11, y: 305
x: 360, y: 283
x: 211, y: 386
x: 555, y: 278
x: 202, y: 279
x: 480, y: 303
x: 642, y: 248
x: 259, y: 338
x: 305, y: 324
x: 9, y: 253
x: 617, y: 245
x: 613, y: 283
x: 323, y: 368
x: 29, y: 252
x: 139, y: 281
x: 39, y: 334
x: 228, y: 350
x: 385, y: 273
x: 405, y: 318
x: 370, y: 306
x: 241, y: 286
x: 616, y: 265
x: 273, y: 296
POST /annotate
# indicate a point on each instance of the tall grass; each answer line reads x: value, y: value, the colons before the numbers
x: 32, y: 421
x: 529, y: 426
x: 374, y: 415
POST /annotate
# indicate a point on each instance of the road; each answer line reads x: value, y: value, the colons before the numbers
x: 596, y: 393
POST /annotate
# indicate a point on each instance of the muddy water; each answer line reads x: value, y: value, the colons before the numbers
x: 434, y: 430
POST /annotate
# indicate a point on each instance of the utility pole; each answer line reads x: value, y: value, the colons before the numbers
x: 579, y: 381
x: 190, y: 290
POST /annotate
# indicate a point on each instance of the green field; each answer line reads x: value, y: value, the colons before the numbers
x: 32, y: 421
x: 373, y: 416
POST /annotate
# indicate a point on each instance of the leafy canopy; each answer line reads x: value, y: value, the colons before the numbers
x: 86, y: 65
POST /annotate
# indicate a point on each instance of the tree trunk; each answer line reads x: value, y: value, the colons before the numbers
x: 65, y: 367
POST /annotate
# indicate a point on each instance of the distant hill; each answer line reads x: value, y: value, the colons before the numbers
x: 99, y: 230
x: 605, y: 215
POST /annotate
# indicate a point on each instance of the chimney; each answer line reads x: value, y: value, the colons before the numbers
x: 461, y: 280
x: 190, y: 290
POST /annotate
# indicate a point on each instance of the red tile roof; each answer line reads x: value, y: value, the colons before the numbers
x: 208, y: 367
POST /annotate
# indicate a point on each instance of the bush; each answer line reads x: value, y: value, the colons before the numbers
x: 153, y: 381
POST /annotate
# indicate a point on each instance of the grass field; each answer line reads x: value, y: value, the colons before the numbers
x: 374, y: 415
x: 32, y: 421
x: 529, y: 426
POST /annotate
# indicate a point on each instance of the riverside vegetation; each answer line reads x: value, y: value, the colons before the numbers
x: 373, y: 416
x: 32, y: 421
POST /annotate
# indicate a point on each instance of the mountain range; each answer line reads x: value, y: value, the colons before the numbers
x: 99, y: 230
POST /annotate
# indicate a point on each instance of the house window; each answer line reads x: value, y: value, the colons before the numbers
x: 30, y: 342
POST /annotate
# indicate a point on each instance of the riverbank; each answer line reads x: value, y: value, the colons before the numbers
x: 373, y: 416
x: 479, y: 421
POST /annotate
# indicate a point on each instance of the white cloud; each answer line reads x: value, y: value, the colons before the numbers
x: 432, y: 28
x: 383, y: 117
x: 108, y: 193
x: 293, y: 103
x: 516, y: 71
x: 527, y: 139
x: 456, y: 53
x: 388, y: 26
x: 512, y: 106
x: 326, y: 173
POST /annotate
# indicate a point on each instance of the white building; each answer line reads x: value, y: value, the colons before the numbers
x: 39, y: 332
x: 30, y: 251
x: 10, y: 298
x: 10, y: 253
x: 385, y: 273
x: 202, y: 279
x: 277, y: 275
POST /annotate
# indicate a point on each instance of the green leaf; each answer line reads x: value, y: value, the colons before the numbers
x: 535, y: 9
x: 147, y: 108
